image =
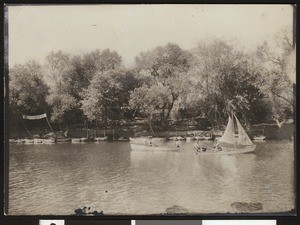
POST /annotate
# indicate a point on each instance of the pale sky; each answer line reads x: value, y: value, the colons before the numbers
x: 35, y: 31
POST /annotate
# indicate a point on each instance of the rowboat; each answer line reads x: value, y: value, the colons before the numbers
x: 76, y: 140
x: 28, y: 141
x: 99, y: 139
x: 19, y: 141
x: 63, y: 139
x: 83, y: 139
x: 37, y: 140
x: 139, y: 147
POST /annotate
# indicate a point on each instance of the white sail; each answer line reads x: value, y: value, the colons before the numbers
x: 228, y: 136
x: 243, y: 138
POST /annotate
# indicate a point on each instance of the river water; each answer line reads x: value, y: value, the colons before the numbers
x: 58, y: 178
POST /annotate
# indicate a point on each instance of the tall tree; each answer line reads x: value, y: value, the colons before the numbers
x: 105, y: 100
x: 277, y: 61
x: 72, y: 75
x: 65, y: 75
x: 27, y: 89
x: 225, y: 80
x: 166, y: 68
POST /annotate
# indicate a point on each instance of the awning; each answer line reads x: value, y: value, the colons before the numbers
x: 36, y: 117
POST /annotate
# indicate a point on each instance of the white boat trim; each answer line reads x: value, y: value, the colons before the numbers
x: 142, y: 147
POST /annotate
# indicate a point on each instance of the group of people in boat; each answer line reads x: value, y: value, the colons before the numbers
x: 216, y: 147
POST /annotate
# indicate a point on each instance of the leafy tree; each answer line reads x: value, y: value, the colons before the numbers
x: 27, y: 89
x: 277, y: 62
x: 225, y: 79
x: 58, y: 65
x: 72, y: 75
x: 165, y: 69
x: 106, y: 98
x: 98, y: 61
x: 66, y: 81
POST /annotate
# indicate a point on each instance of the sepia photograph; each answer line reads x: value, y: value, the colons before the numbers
x: 151, y: 109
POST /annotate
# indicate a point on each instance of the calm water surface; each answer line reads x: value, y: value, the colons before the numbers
x: 58, y: 178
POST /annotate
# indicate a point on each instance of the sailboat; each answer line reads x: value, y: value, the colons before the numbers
x: 229, y: 144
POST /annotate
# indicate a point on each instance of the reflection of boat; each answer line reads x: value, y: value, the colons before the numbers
x: 143, y: 147
x: 228, y: 144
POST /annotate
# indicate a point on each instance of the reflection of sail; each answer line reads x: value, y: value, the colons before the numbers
x: 228, y: 136
x: 228, y: 164
x: 243, y: 138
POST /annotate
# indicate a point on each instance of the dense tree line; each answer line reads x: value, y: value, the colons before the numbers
x: 166, y: 82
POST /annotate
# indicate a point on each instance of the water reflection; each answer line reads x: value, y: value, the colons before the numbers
x: 56, y: 179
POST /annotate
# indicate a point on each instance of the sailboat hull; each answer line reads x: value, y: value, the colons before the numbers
x: 228, y: 151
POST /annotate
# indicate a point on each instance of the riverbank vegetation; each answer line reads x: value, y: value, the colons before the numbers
x: 166, y: 84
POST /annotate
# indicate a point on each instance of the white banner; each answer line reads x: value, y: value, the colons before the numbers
x: 37, y: 117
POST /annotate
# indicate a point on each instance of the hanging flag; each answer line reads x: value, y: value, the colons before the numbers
x: 36, y: 117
